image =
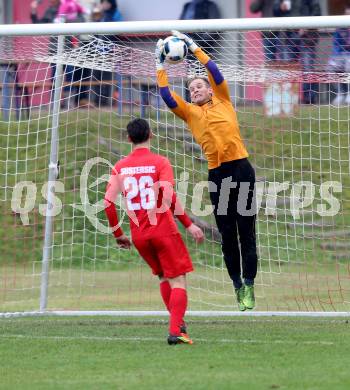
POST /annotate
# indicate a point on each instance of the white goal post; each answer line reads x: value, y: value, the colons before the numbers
x: 67, y: 93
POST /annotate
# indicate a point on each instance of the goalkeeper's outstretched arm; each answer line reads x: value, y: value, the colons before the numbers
x: 171, y: 99
x: 216, y: 78
x: 176, y: 103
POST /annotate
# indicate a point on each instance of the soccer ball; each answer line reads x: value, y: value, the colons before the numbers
x: 175, y: 50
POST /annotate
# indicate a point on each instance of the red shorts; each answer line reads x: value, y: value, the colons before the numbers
x: 167, y: 256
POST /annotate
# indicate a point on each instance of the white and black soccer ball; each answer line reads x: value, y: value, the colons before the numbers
x: 175, y: 50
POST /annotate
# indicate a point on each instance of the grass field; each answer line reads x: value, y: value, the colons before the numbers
x: 303, y: 263
x: 109, y: 353
x: 304, y: 266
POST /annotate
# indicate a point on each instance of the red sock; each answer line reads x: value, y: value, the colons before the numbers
x: 178, y: 306
x: 165, y: 292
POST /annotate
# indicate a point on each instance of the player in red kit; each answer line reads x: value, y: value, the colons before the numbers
x: 146, y: 180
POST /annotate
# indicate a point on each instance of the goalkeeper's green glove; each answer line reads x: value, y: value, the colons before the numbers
x: 159, y: 54
x: 192, y: 46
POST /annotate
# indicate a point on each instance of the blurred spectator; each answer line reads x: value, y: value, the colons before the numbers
x: 300, y: 44
x: 49, y: 17
x: 107, y: 12
x: 270, y: 38
x: 71, y: 10
x: 200, y: 9
x: 339, y: 62
x: 96, y: 14
x: 74, y: 13
x: 49, y: 14
x: 110, y: 11
x: 203, y: 9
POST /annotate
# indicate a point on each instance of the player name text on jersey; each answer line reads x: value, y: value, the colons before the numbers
x: 134, y: 170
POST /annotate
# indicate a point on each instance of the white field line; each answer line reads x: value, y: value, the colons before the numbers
x: 147, y: 339
x: 163, y: 313
x: 218, y: 321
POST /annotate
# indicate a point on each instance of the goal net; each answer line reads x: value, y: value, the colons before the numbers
x: 68, y: 100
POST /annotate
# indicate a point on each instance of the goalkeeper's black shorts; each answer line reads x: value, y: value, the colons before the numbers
x: 232, y: 193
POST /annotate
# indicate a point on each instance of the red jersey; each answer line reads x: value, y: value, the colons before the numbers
x: 146, y: 180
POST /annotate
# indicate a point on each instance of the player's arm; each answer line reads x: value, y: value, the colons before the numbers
x: 166, y: 178
x: 216, y: 79
x: 178, y: 211
x: 175, y: 102
x: 112, y: 191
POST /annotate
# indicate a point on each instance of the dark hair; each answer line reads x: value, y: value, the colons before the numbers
x: 138, y: 130
x: 205, y: 79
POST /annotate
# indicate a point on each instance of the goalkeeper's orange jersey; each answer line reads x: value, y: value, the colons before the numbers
x: 214, y: 125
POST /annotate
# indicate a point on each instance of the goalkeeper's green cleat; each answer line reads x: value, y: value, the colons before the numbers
x: 249, y: 298
x: 183, y: 338
x: 240, y: 295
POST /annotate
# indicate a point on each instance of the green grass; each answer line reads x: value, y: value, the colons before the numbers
x: 109, y: 353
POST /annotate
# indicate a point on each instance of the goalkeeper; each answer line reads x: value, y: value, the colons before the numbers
x: 213, y: 122
x: 146, y: 180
